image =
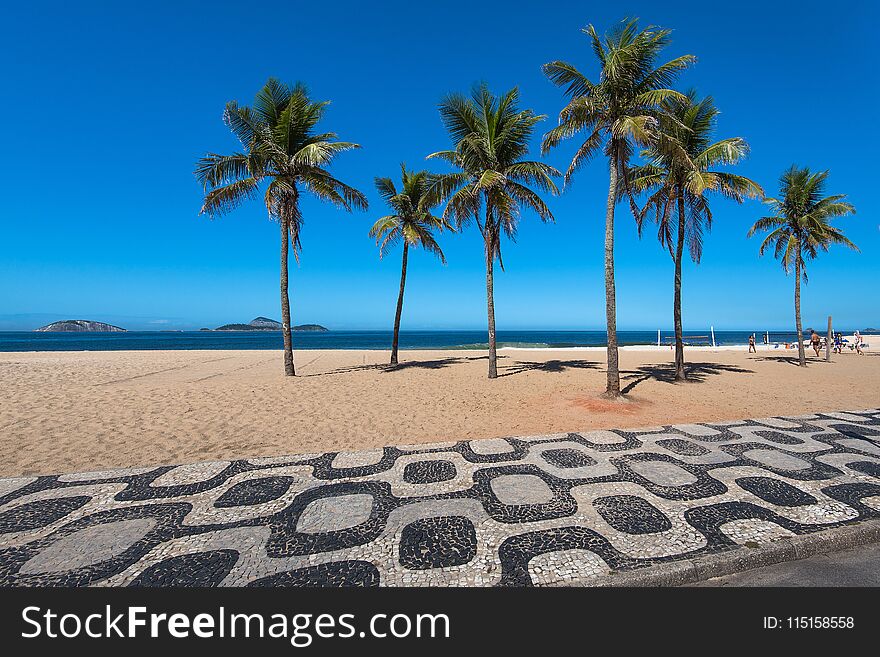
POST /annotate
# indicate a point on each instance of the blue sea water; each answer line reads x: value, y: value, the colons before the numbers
x: 154, y: 340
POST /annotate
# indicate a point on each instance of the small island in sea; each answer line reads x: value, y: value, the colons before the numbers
x: 79, y: 326
x: 266, y: 324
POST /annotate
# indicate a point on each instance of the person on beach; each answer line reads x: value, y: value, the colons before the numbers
x: 857, y: 338
x: 816, y: 342
x: 838, y: 343
x: 752, y: 348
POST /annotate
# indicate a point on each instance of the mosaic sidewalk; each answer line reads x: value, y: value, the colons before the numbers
x: 517, y: 511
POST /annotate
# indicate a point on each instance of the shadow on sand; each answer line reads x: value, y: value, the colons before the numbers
x: 435, y: 364
x: 792, y: 359
x: 696, y: 373
x: 518, y: 367
x: 515, y: 366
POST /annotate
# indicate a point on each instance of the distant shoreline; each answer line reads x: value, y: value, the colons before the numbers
x: 380, y: 341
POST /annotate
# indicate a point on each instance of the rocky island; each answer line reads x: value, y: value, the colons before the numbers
x: 266, y: 324
x: 79, y: 326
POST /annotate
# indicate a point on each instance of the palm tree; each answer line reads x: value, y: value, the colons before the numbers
x: 490, y: 136
x: 412, y: 222
x: 282, y: 148
x: 801, y: 227
x: 679, y: 173
x: 621, y: 112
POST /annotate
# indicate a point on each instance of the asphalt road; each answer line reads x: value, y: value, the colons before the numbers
x: 857, y: 567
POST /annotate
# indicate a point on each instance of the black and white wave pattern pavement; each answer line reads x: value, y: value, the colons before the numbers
x: 514, y: 511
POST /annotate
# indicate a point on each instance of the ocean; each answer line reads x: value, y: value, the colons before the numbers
x: 156, y: 340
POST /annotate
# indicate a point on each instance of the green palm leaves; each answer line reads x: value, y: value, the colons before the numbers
x: 283, y: 151
x: 617, y: 112
x: 493, y: 182
x: 681, y: 165
x: 621, y: 109
x: 281, y: 147
x: 800, y: 226
x: 412, y: 223
x: 412, y: 220
x: 678, y: 177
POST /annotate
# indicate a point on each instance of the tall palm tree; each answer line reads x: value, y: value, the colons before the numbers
x: 490, y: 136
x: 412, y: 223
x: 282, y: 148
x: 680, y: 173
x: 800, y: 227
x: 620, y: 112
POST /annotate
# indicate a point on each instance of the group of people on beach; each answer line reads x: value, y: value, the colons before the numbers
x: 817, y: 343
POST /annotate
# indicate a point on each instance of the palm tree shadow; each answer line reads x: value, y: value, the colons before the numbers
x: 791, y: 360
x: 547, y: 366
x: 696, y: 373
x: 435, y: 364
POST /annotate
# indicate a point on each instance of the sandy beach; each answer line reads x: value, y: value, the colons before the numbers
x: 70, y: 411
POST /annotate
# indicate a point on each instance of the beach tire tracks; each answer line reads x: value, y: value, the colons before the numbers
x: 237, y: 369
x: 163, y: 371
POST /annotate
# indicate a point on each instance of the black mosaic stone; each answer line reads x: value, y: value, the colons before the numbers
x: 866, y: 467
x: 337, y: 573
x: 428, y: 472
x: 775, y: 491
x: 562, y: 504
x: 254, y: 491
x: 779, y: 437
x: 710, y: 518
x: 516, y: 552
x: 171, y: 508
x: 438, y: 543
x: 630, y: 441
x: 520, y: 449
x: 631, y: 514
x: 285, y: 541
x: 567, y: 458
x: 856, y: 431
x: 196, y: 569
x: 683, y: 447
x: 34, y: 515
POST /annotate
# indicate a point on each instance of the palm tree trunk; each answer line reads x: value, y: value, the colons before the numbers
x: 490, y: 300
x: 285, y: 300
x: 394, y: 340
x: 676, y: 309
x: 612, y: 388
x: 802, y: 357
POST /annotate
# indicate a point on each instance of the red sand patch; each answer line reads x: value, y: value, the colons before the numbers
x: 620, y: 406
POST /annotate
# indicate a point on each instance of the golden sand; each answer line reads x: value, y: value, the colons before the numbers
x: 70, y: 411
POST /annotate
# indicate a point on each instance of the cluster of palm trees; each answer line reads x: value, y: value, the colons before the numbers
x: 628, y: 109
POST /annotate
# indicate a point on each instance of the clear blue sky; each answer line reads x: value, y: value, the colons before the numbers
x: 106, y: 107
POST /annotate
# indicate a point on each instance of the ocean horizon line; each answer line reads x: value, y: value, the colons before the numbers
x: 371, y: 339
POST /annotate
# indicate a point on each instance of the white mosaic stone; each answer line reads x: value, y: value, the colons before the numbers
x: 514, y: 489
x: 695, y: 429
x: 663, y: 473
x: 9, y: 485
x: 491, y: 446
x: 439, y: 525
x: 754, y: 531
x: 105, y: 474
x: 566, y: 566
x: 603, y: 437
x: 329, y: 514
x: 88, y: 546
x: 190, y: 474
x: 873, y: 502
x: 860, y: 445
x: 357, y: 459
x: 777, y: 459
